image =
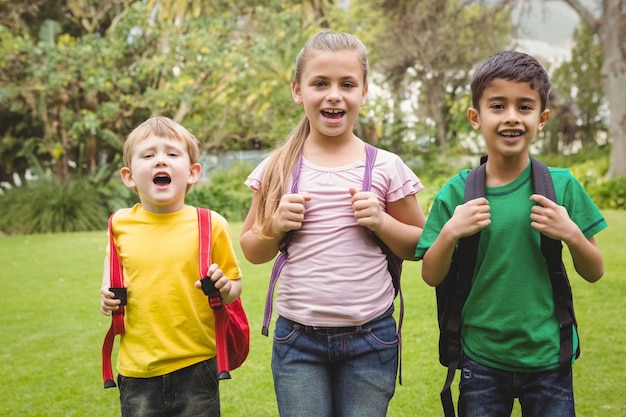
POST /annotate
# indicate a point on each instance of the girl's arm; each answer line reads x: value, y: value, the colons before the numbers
x: 399, y: 228
x: 288, y: 217
x: 256, y: 250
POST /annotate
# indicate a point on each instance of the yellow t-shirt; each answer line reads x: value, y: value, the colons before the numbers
x: 169, y: 324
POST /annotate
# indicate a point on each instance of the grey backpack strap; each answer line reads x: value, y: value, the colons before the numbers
x: 453, y: 292
x: 552, y: 252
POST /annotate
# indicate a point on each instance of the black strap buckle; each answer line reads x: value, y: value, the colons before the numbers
x: 120, y: 294
x: 208, y: 287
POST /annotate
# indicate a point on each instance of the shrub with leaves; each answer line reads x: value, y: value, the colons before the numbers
x: 225, y: 193
x: 43, y: 207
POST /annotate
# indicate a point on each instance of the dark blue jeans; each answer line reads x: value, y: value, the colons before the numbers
x: 191, y: 391
x: 489, y: 392
x: 335, y: 372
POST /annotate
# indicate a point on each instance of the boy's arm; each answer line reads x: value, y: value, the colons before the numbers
x: 107, y: 303
x: 467, y: 219
x: 436, y: 261
x: 230, y: 289
x: 553, y: 220
x: 587, y: 258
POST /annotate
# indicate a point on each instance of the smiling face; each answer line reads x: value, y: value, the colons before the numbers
x: 509, y: 116
x: 332, y: 89
x: 160, y: 171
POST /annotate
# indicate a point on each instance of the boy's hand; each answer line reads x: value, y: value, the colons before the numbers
x: 551, y: 219
x: 366, y: 209
x: 107, y: 303
x: 228, y: 290
x: 290, y: 213
x: 469, y: 218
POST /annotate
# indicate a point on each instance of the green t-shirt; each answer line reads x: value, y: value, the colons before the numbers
x: 509, y: 320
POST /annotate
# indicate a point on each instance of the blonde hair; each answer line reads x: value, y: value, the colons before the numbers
x: 279, y: 168
x: 163, y: 127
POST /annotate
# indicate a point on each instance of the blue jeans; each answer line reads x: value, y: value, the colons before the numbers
x: 191, y: 391
x: 489, y: 392
x: 335, y: 372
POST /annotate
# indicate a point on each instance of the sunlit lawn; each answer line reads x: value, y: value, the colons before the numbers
x: 52, y: 333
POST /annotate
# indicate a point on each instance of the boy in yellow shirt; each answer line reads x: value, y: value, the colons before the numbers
x: 167, y: 364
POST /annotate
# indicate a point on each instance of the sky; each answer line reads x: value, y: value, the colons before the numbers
x: 552, y: 22
x: 546, y: 29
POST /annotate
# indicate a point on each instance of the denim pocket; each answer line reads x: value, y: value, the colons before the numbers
x: 205, y: 373
x: 285, y: 335
x: 382, y: 336
x: 284, y: 331
x: 383, y: 332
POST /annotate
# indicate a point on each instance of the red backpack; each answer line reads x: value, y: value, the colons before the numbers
x: 232, y: 332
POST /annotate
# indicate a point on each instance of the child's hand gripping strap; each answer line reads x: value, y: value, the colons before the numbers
x: 208, y: 286
x: 117, y: 316
x: 213, y: 294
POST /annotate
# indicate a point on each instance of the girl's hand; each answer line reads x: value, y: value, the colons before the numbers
x: 366, y: 209
x: 290, y: 213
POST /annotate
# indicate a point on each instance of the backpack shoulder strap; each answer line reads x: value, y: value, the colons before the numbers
x: 116, y: 278
x: 214, y: 299
x: 204, y: 231
x: 552, y: 252
x: 281, y: 259
x: 456, y: 287
x: 394, y: 263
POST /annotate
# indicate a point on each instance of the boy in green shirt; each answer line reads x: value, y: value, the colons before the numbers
x: 509, y: 332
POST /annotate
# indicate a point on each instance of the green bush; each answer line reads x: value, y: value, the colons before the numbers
x: 85, y: 204
x: 609, y: 193
x: 592, y: 175
x: 232, y: 205
x: 225, y: 193
x: 44, y: 207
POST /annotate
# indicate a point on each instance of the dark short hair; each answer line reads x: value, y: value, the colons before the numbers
x: 511, y: 66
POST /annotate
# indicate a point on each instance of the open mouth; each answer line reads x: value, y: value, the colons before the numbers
x: 334, y: 114
x: 161, y: 179
x: 511, y: 134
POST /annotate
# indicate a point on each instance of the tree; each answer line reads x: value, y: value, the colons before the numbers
x: 578, y: 91
x: 431, y: 46
x: 610, y: 26
x: 71, y: 92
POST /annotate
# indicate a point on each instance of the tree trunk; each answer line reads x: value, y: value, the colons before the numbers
x: 612, y: 34
x: 611, y: 29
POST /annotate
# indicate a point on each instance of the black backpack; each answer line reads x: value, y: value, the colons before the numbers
x: 453, y: 291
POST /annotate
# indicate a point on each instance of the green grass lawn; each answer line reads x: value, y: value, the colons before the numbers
x: 52, y: 333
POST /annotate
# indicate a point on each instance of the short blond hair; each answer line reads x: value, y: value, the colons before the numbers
x: 162, y: 127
